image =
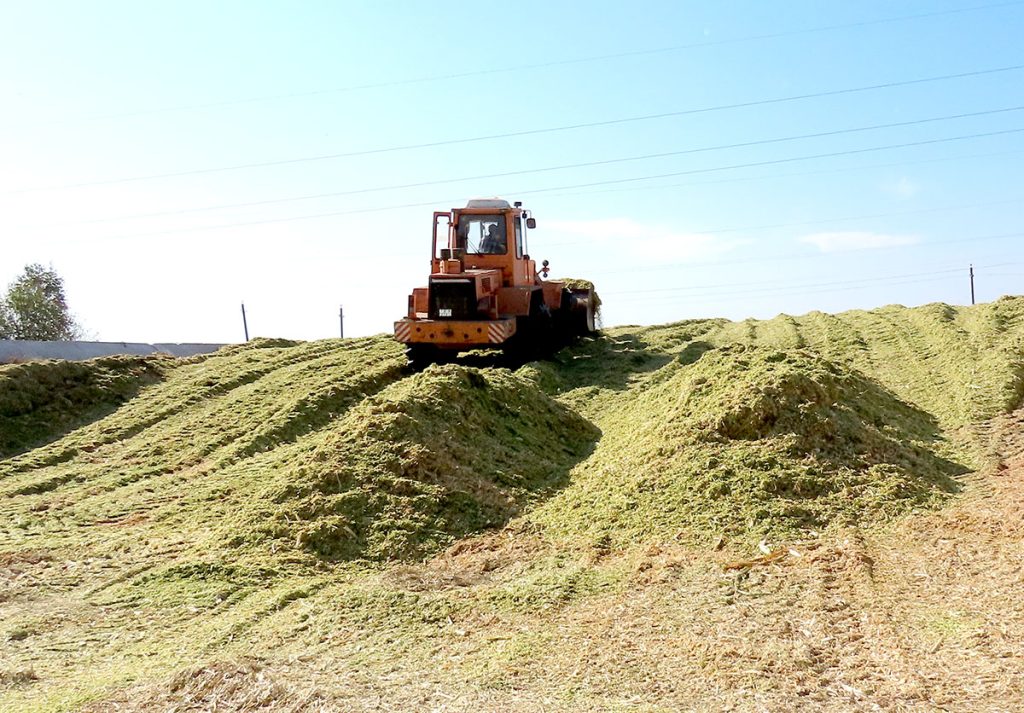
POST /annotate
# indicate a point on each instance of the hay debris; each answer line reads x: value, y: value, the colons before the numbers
x: 17, y: 677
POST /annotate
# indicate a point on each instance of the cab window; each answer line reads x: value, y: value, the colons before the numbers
x: 483, y: 234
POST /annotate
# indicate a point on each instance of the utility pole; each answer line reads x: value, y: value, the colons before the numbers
x: 341, y: 321
x: 245, y: 324
x: 972, y: 283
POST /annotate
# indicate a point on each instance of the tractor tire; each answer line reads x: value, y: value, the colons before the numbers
x: 578, y: 316
x: 584, y: 314
x: 536, y: 333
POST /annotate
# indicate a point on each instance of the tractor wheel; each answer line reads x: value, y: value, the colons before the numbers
x: 578, y: 316
x: 535, y: 334
x: 584, y: 314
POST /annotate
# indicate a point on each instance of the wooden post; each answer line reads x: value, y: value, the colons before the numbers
x: 245, y: 324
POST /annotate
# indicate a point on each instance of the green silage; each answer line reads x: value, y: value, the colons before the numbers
x: 762, y: 428
x: 441, y: 454
x: 42, y: 400
x: 752, y: 441
x: 316, y: 450
x: 328, y: 451
x: 269, y: 496
x: 185, y: 452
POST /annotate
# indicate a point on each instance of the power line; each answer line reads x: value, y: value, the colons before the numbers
x: 528, y: 132
x: 331, y: 214
x: 549, y: 64
x: 823, y: 221
x: 803, y: 255
x: 777, y: 161
x: 741, y: 179
x: 724, y: 296
x: 776, y: 176
x: 587, y: 164
x: 783, y: 257
x: 768, y: 258
x: 810, y: 288
x: 757, y: 290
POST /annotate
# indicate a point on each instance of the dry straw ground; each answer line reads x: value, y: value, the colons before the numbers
x: 807, y: 513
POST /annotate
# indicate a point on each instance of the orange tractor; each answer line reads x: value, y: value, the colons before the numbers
x: 484, y: 290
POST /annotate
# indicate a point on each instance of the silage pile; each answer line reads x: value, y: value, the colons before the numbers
x: 170, y: 449
x: 332, y: 451
x: 441, y: 454
x: 275, y: 449
x: 258, y: 499
x: 40, y: 400
x: 752, y: 441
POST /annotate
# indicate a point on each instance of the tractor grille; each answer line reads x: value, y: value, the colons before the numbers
x: 452, y: 299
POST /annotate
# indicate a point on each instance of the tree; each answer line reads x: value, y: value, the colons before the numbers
x: 35, y: 307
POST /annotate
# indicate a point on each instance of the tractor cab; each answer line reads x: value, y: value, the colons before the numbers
x: 487, y: 234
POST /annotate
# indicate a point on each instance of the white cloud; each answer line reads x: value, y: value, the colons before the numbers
x: 637, y: 239
x: 854, y: 240
x: 902, y: 188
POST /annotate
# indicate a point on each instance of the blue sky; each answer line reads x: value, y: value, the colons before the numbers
x: 104, y: 100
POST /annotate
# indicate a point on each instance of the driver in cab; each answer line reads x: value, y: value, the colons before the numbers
x: 494, y: 242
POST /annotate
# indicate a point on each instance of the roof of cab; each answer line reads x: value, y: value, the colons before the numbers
x: 498, y: 203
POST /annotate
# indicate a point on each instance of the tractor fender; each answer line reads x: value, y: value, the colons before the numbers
x: 553, y: 294
x: 516, y: 300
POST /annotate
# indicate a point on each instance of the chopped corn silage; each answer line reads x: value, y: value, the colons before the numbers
x: 274, y: 496
x: 331, y: 450
x: 41, y: 400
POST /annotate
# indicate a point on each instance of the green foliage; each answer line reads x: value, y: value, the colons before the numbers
x: 35, y: 307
